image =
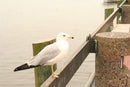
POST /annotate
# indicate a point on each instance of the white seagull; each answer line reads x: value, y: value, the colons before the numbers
x: 50, y: 55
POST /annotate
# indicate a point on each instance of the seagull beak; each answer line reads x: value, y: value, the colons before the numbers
x: 71, y: 37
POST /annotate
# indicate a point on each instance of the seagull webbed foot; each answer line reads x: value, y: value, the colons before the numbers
x: 55, y: 75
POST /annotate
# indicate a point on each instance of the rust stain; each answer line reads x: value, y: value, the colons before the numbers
x: 127, y: 61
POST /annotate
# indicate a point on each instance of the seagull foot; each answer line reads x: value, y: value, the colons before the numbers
x: 55, y: 75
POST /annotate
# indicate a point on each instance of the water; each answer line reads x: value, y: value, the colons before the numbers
x: 23, y: 22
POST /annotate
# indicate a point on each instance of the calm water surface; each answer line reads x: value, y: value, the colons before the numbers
x: 23, y: 22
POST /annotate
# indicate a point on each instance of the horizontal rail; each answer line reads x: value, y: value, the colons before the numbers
x: 79, y: 56
x: 107, y: 22
x: 68, y: 71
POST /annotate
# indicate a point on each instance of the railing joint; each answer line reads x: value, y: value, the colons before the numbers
x: 88, y: 37
x: 120, y: 10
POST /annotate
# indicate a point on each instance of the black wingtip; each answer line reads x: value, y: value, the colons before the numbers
x: 24, y: 67
x: 15, y: 70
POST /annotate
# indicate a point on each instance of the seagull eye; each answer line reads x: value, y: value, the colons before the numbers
x: 64, y: 35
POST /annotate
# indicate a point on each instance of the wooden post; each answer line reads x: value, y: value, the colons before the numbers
x: 111, y: 47
x: 125, y: 19
x: 42, y: 72
x: 108, y: 12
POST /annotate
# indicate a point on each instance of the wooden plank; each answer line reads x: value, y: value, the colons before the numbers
x: 122, y: 28
x: 41, y: 72
x: 90, y: 80
x: 82, y: 75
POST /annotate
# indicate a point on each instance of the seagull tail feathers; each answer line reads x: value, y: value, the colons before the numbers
x: 24, y: 67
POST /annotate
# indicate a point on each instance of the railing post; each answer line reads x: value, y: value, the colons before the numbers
x: 42, y: 72
x: 108, y: 12
x: 111, y: 47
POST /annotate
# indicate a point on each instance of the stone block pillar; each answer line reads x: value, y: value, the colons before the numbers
x: 125, y: 19
x: 110, y: 70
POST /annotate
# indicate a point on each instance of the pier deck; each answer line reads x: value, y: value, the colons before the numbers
x: 82, y: 75
x: 122, y: 28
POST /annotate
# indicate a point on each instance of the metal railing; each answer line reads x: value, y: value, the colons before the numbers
x: 80, y: 55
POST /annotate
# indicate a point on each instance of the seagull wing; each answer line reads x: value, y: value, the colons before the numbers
x: 48, y: 53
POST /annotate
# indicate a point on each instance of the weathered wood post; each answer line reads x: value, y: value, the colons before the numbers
x: 110, y: 70
x: 42, y: 72
x: 108, y: 12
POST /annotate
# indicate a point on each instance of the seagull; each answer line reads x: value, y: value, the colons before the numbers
x: 49, y: 55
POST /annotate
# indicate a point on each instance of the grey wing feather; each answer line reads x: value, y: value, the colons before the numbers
x: 48, y: 53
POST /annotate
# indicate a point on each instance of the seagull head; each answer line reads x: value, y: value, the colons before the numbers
x: 63, y: 36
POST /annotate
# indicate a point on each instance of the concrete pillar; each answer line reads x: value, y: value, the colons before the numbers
x: 125, y: 14
x: 109, y: 69
x: 128, y: 1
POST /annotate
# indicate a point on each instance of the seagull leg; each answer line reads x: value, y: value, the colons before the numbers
x: 55, y: 75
